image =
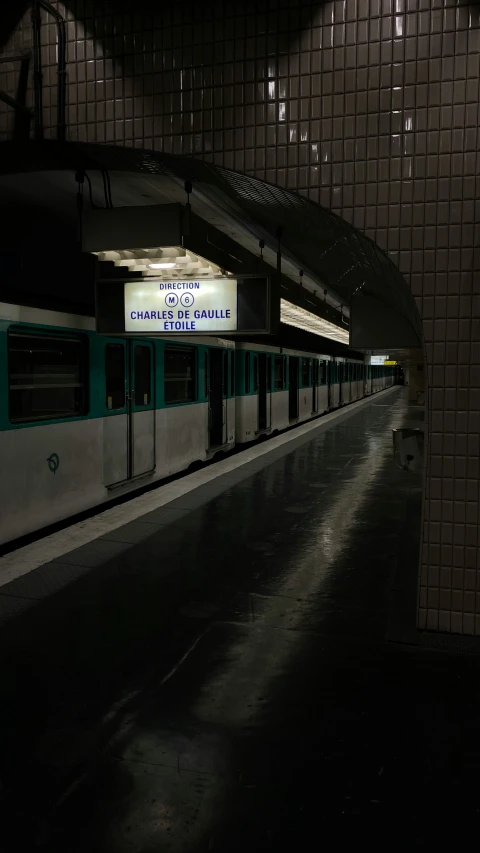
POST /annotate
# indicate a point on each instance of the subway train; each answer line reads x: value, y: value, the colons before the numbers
x: 85, y: 418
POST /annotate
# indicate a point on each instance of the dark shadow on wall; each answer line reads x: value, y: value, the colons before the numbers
x: 11, y: 14
x: 127, y: 29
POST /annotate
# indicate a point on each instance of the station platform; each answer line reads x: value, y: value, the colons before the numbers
x: 228, y: 671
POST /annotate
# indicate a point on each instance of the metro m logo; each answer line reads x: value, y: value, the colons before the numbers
x: 171, y: 299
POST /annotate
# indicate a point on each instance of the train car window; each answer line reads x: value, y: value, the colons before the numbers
x: 255, y: 373
x: 232, y: 373
x: 115, y: 376
x: 142, y: 367
x: 305, y: 372
x: 206, y: 375
x: 247, y: 373
x: 269, y: 373
x: 279, y: 373
x: 179, y: 375
x: 323, y: 372
x: 47, y: 376
x: 225, y: 374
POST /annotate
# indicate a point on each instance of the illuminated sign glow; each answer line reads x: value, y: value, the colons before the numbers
x: 378, y: 359
x: 207, y: 305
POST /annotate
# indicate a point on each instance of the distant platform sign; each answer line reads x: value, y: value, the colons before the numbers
x: 207, y: 305
x: 378, y: 359
x: 389, y: 363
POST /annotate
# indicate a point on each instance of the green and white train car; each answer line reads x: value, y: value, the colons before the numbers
x: 85, y: 418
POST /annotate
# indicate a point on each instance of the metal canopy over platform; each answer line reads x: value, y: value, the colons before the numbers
x: 325, y: 262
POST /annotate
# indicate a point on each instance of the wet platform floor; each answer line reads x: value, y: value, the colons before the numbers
x: 231, y: 683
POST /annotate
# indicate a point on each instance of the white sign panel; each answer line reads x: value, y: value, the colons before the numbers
x: 378, y: 359
x: 208, y: 305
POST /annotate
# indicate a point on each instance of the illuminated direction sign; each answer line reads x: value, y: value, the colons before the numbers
x: 378, y: 359
x: 207, y: 305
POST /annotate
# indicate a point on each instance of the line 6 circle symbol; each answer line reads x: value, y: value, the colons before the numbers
x: 187, y: 300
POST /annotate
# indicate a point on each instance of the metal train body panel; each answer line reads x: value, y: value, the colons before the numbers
x: 246, y: 418
x: 163, y: 405
x: 181, y: 437
x: 34, y: 493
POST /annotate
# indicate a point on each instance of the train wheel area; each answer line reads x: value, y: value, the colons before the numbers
x: 229, y: 675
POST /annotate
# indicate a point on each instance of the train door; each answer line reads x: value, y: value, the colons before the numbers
x: 315, y: 385
x: 293, y: 388
x: 261, y: 364
x: 142, y: 410
x: 269, y: 390
x: 218, y: 380
x: 129, y: 427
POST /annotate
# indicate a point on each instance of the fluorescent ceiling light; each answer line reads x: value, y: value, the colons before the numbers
x: 163, y: 262
x: 292, y: 315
